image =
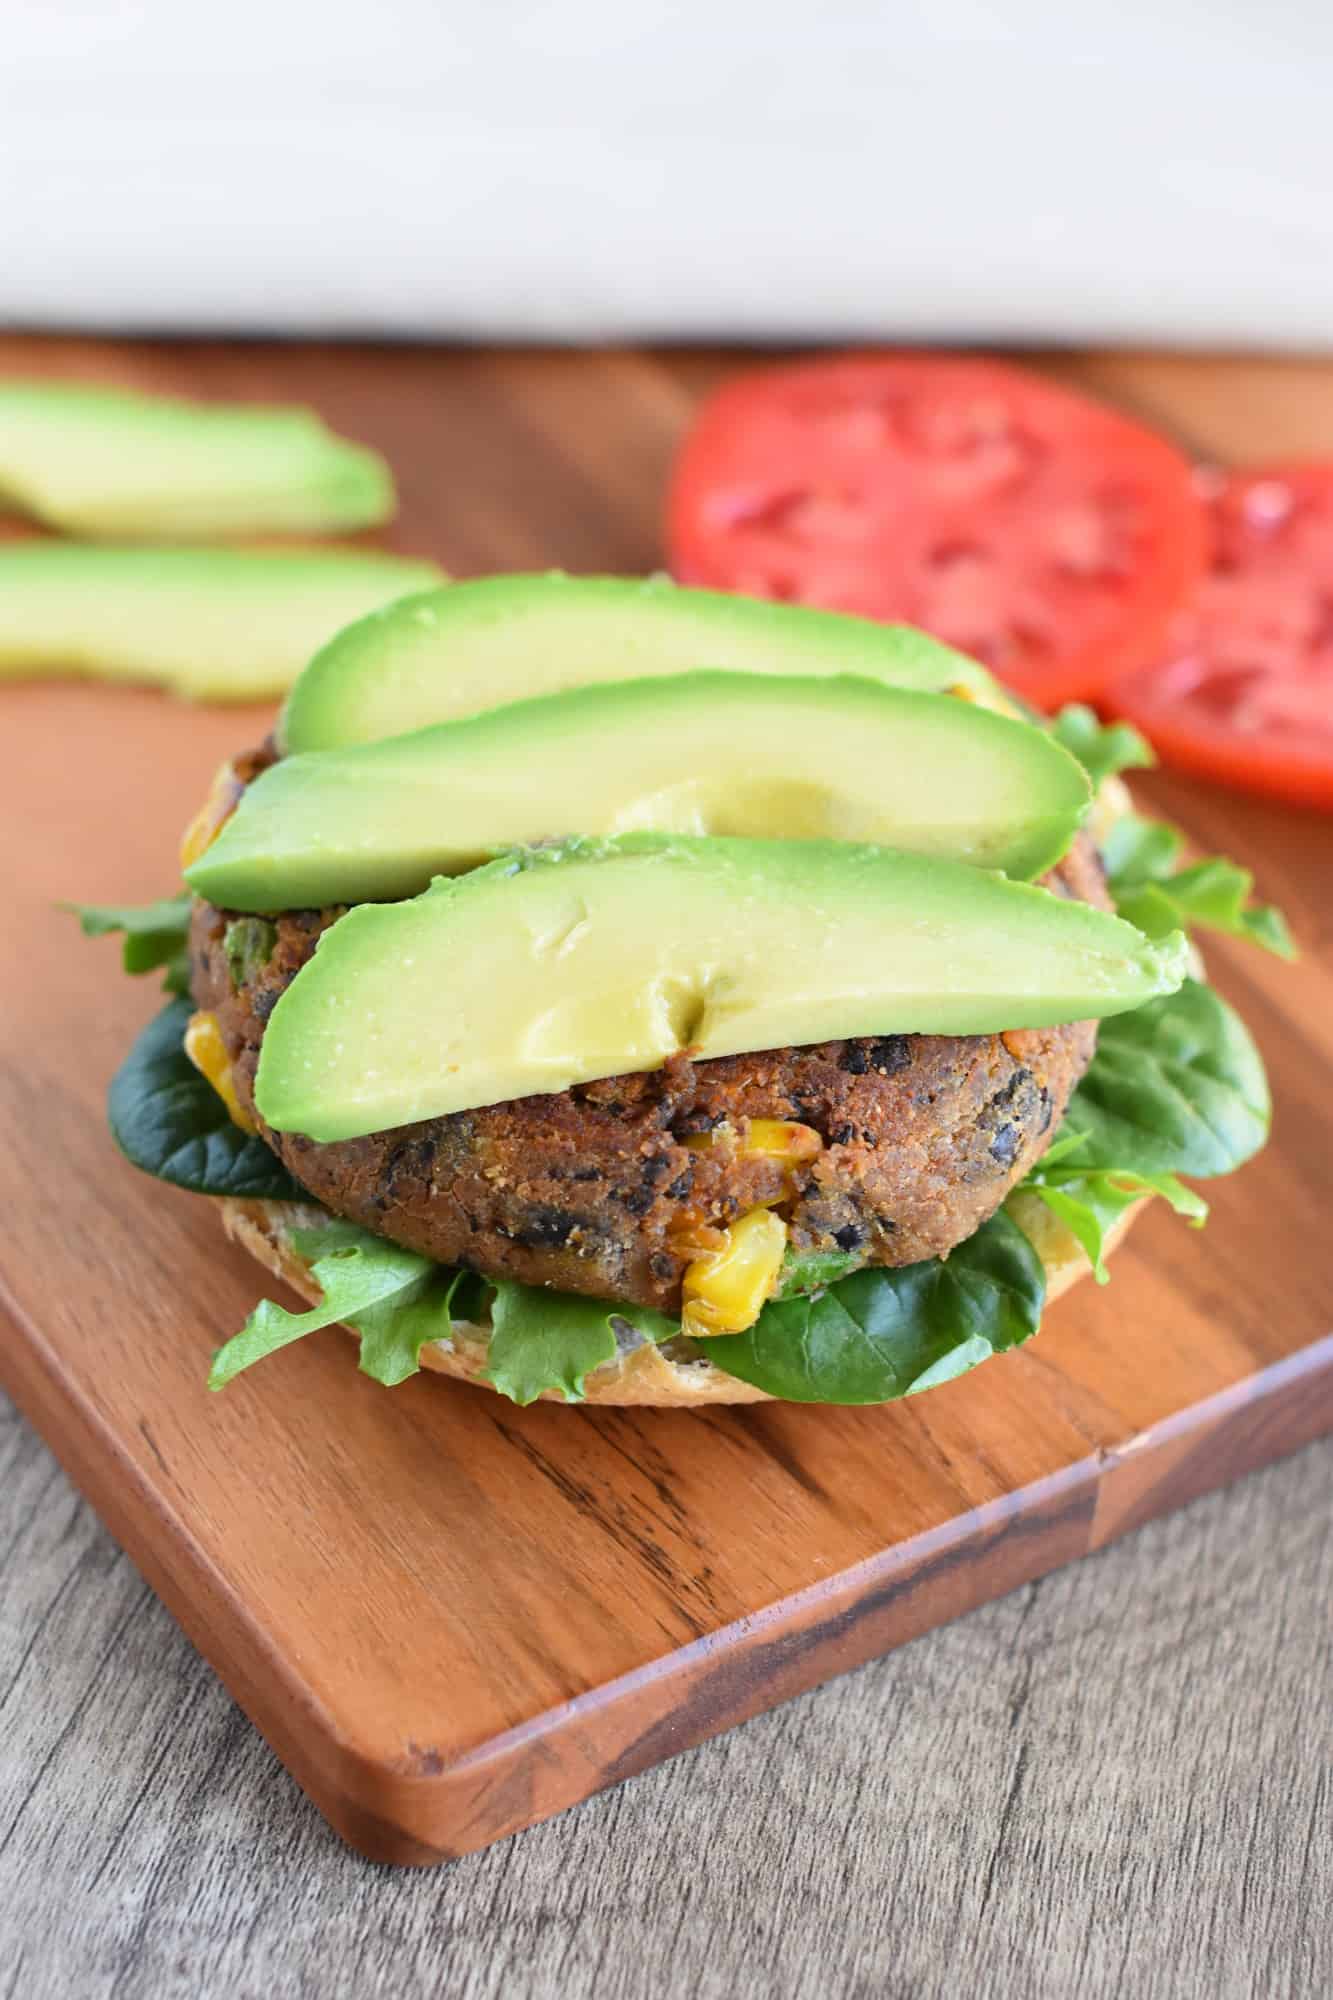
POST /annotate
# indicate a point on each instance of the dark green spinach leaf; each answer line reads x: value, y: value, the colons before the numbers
x: 882, y: 1334
x: 169, y: 1121
x: 1176, y: 1087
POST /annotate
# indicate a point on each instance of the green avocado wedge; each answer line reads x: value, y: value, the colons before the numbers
x: 474, y: 646
x: 211, y: 624
x: 113, y: 464
x: 706, y: 753
x: 558, y: 966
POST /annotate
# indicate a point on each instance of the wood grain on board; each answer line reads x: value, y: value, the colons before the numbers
x: 451, y: 1617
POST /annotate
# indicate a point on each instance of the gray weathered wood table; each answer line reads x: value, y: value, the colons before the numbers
x: 1115, y: 1781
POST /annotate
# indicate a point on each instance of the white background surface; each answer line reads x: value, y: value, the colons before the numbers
x: 1150, y: 169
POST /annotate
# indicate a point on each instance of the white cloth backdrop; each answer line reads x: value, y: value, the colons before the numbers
x: 1137, y: 169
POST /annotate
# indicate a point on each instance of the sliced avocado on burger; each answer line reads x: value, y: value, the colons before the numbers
x: 703, y: 753
x: 547, y: 970
x: 450, y: 653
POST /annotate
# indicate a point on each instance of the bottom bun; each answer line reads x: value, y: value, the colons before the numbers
x: 640, y: 1373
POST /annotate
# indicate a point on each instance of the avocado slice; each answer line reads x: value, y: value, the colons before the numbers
x: 212, y: 624
x: 555, y: 967
x: 702, y: 753
x: 474, y: 646
x: 110, y: 463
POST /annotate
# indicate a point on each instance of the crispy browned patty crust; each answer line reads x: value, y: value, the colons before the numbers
x: 598, y: 1190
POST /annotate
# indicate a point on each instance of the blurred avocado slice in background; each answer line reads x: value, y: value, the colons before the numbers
x: 553, y: 968
x: 747, y: 755
x: 477, y: 645
x: 211, y: 624
x: 113, y: 464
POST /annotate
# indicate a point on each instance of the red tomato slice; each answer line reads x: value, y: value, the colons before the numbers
x: 1246, y: 692
x: 1021, y: 522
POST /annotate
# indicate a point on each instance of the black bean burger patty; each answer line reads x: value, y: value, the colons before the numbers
x: 602, y: 1189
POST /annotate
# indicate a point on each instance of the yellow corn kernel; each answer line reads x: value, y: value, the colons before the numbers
x: 780, y: 1139
x: 765, y: 1139
x: 704, y: 1142
x: 206, y: 1050
x: 217, y: 809
x: 724, y: 1290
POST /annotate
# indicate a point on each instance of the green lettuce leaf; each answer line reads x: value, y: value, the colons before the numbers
x: 169, y: 1121
x: 1102, y: 749
x: 154, y: 935
x: 1176, y: 1087
x: 1211, y: 895
x: 553, y: 1340
x: 1151, y: 891
x: 1091, y: 1203
x: 396, y: 1301
x: 1136, y: 850
x: 882, y: 1334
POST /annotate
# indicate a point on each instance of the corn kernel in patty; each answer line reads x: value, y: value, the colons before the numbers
x: 780, y: 1139
x: 204, y: 1046
x: 724, y: 1291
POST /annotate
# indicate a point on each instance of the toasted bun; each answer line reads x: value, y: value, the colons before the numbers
x: 638, y: 1375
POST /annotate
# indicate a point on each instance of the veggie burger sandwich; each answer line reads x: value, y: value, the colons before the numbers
x: 607, y: 990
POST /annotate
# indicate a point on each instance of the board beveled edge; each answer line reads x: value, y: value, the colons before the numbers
x: 422, y: 1810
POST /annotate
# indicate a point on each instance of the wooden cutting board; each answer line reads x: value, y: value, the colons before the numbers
x: 451, y: 1617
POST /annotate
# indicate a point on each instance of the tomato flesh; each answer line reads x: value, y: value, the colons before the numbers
x: 1025, y: 524
x: 1245, y: 692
